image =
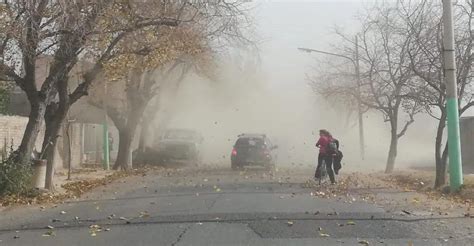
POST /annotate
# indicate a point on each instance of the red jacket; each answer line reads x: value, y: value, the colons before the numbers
x: 323, y: 144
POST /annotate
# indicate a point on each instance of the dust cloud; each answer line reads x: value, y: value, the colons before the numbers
x: 273, y: 97
x: 247, y: 101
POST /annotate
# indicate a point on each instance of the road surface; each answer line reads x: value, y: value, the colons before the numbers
x: 217, y: 206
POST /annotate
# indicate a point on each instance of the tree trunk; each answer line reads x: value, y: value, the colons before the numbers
x: 35, y: 121
x: 126, y: 135
x: 144, y: 133
x: 440, y: 156
x: 53, y: 119
x: 143, y: 141
x: 392, y: 152
x: 123, y: 155
x: 441, y: 168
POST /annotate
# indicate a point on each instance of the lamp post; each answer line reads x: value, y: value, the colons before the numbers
x: 454, y: 143
x: 355, y: 62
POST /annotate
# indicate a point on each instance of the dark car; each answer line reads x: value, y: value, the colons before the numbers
x: 253, y: 150
x: 175, y: 145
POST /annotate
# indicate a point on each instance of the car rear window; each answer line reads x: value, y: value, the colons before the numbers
x: 251, y: 142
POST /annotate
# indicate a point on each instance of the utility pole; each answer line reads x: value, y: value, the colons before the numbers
x: 454, y: 143
x: 361, y: 116
x: 355, y: 62
x: 106, y: 149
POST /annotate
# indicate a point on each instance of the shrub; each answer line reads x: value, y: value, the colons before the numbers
x: 15, y: 178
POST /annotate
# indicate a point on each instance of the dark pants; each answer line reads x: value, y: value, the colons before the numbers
x: 328, y: 160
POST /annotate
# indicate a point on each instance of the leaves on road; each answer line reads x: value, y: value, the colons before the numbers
x: 364, y: 242
x: 73, y: 190
x: 324, y: 234
x: 144, y: 214
x: 93, y: 229
x: 49, y: 233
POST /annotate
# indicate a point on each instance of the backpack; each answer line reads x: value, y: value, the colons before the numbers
x: 333, y: 146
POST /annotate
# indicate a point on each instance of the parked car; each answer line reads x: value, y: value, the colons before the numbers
x: 175, y: 145
x: 253, y: 150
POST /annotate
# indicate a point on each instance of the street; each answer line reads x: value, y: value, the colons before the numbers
x: 217, y: 206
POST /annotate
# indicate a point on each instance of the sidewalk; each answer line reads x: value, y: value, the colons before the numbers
x: 407, y: 193
x: 82, y: 180
x: 423, y: 181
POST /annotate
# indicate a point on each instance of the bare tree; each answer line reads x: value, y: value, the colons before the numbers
x: 386, y: 75
x: 127, y: 100
x: 426, y: 58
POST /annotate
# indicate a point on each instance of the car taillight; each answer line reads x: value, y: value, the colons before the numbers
x: 234, y: 152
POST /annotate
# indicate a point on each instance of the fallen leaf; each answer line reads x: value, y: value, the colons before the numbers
x: 351, y: 223
x: 49, y: 233
x: 364, y: 242
x: 144, y: 214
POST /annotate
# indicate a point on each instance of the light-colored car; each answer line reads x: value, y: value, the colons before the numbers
x: 175, y: 145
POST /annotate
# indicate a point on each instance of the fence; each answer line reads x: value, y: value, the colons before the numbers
x: 83, y: 141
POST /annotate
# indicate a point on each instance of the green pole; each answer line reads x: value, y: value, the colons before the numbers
x: 454, y: 143
x: 106, y: 147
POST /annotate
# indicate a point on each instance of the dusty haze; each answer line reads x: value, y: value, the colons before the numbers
x: 270, y: 94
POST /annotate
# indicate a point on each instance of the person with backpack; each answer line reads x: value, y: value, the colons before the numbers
x: 336, y: 155
x: 326, y: 145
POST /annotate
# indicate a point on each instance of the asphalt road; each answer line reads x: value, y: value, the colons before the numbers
x: 222, y: 207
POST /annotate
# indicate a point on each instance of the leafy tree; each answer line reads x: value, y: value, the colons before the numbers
x: 69, y: 31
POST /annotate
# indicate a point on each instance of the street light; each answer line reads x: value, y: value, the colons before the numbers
x: 355, y: 62
x: 454, y: 144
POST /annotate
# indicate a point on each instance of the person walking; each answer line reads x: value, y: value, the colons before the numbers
x: 324, y: 144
